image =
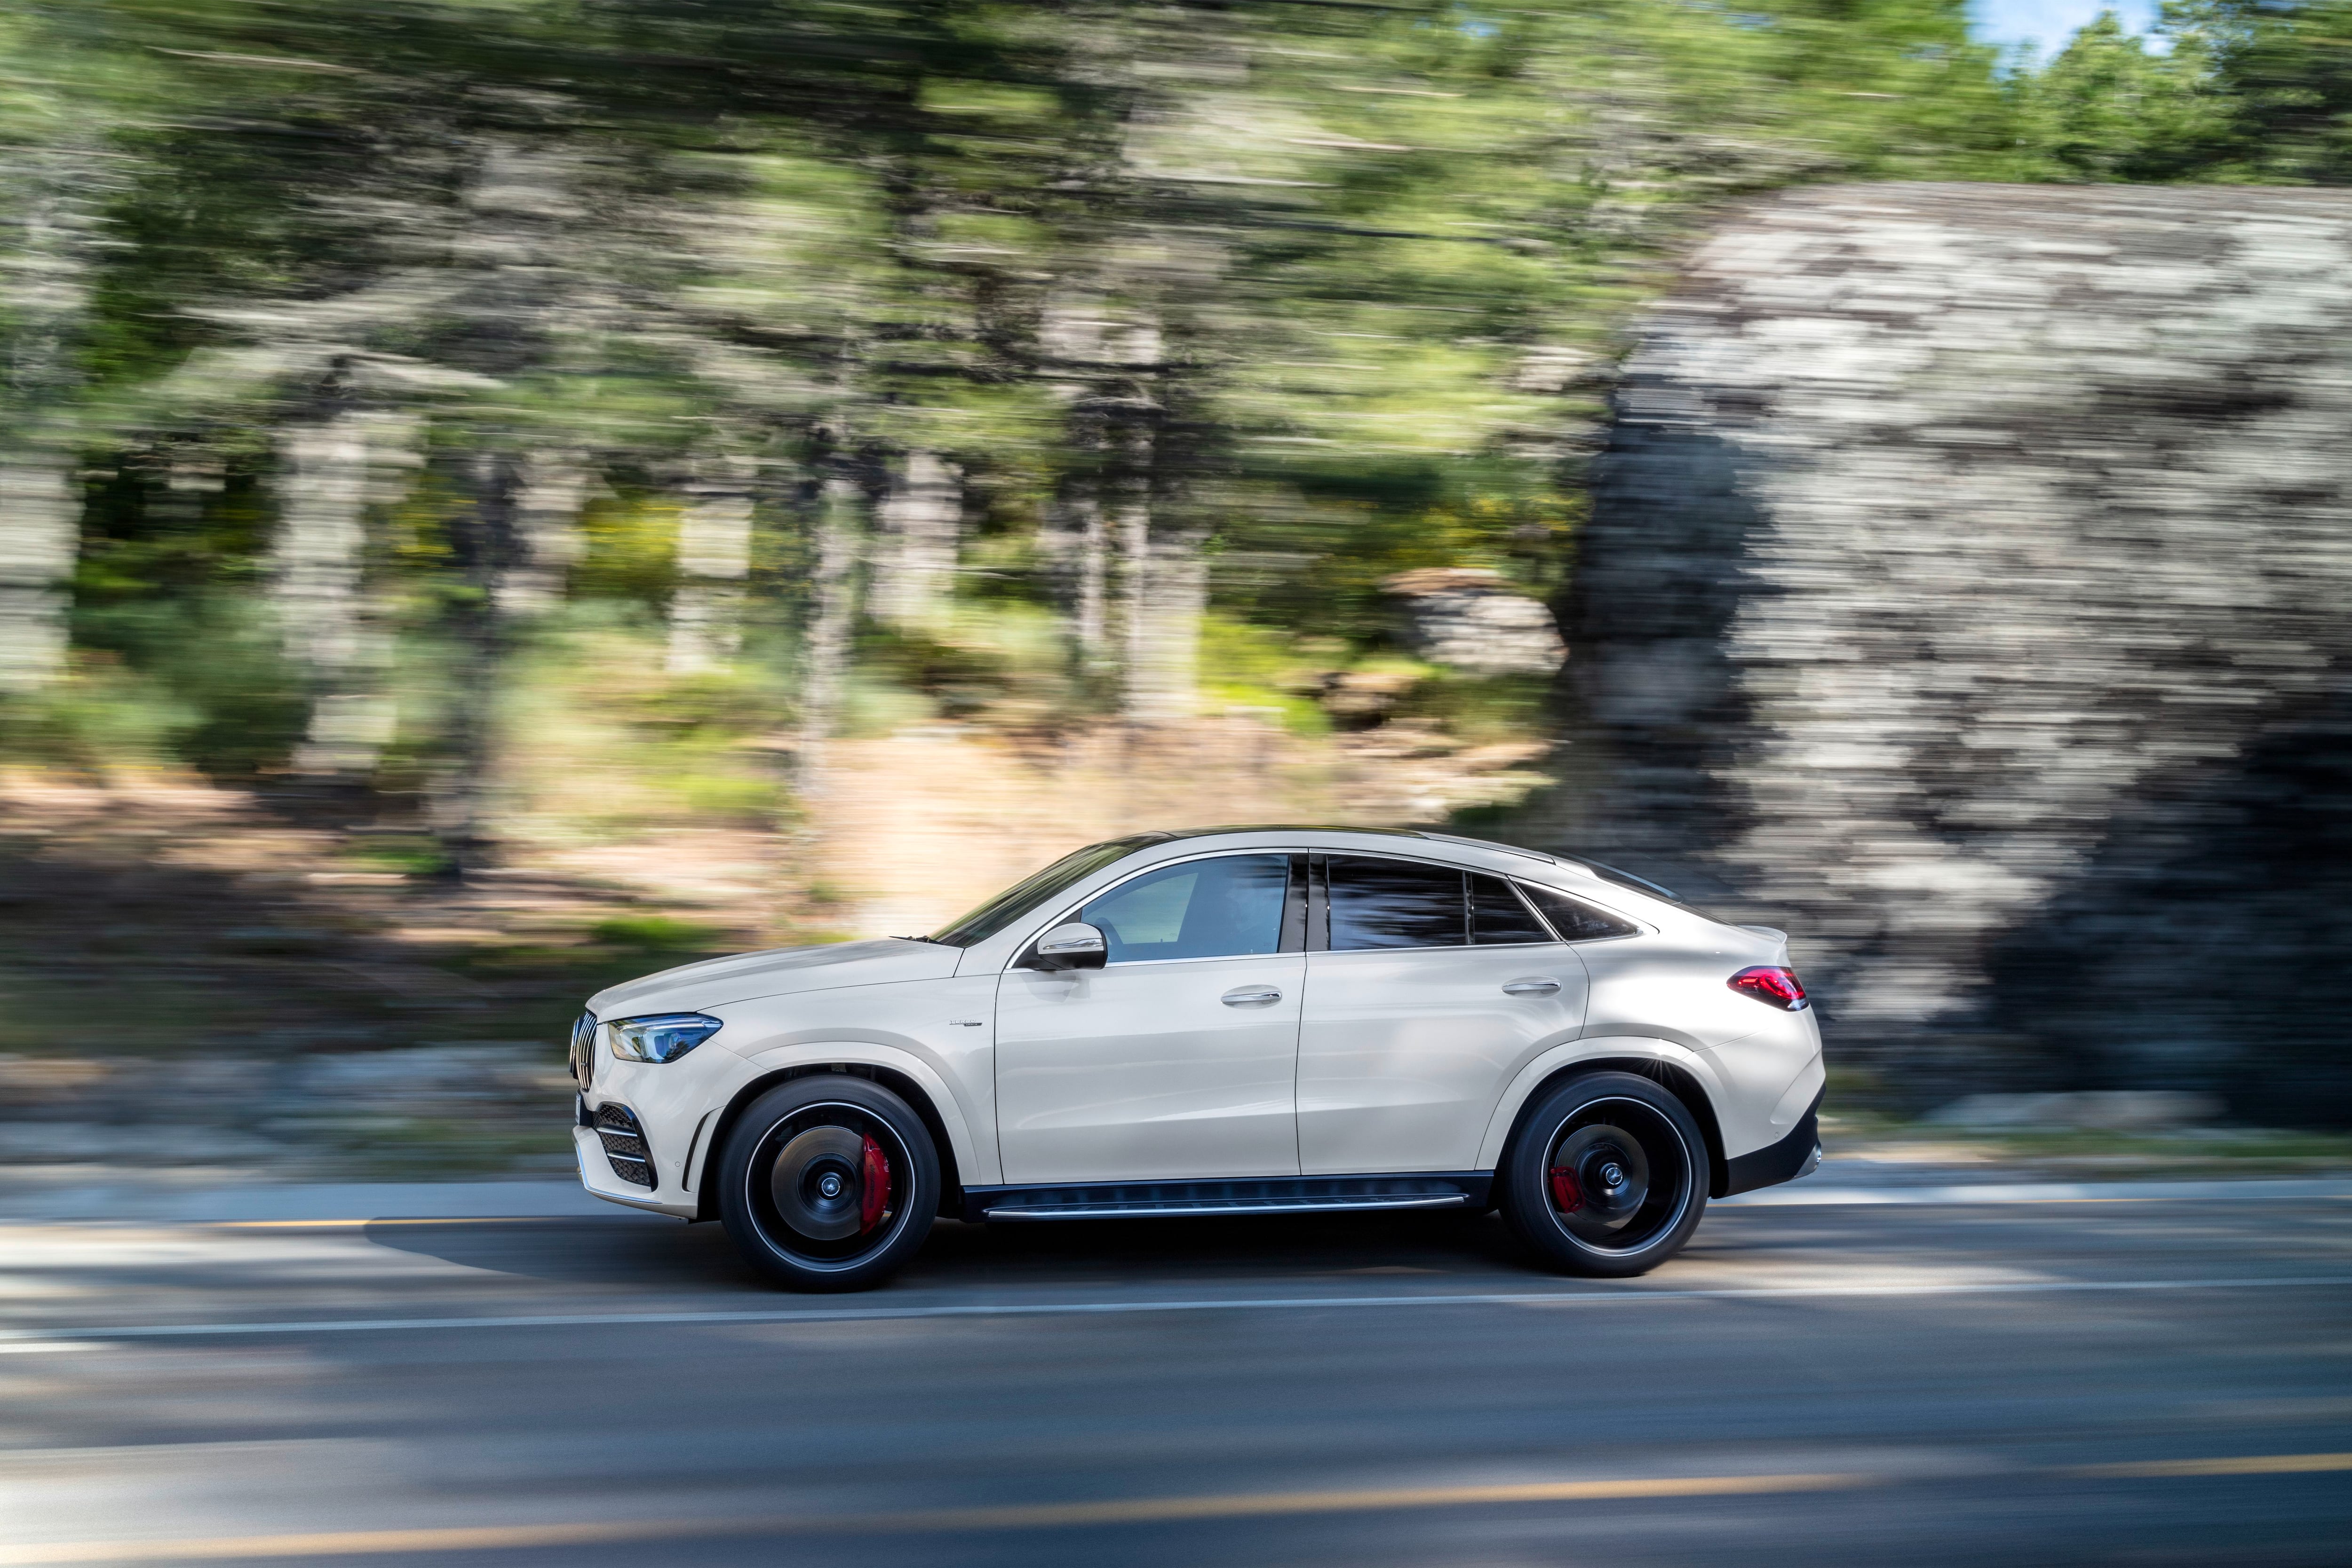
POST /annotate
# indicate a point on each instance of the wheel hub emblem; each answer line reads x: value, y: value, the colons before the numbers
x: 830, y: 1186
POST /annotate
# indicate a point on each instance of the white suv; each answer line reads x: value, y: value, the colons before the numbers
x: 1234, y: 1020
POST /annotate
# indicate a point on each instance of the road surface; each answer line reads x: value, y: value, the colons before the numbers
x: 2147, y: 1381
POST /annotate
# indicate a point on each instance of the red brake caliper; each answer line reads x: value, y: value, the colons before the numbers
x: 873, y: 1189
x: 1565, y: 1194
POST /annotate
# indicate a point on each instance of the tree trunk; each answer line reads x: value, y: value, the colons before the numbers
x: 44, y: 284
x: 1164, y: 637
x: 547, y: 527
x: 484, y: 541
x: 1094, y: 559
x: 39, y: 528
x: 714, y: 557
x: 316, y: 556
x: 331, y: 631
x: 826, y: 654
x: 920, y: 525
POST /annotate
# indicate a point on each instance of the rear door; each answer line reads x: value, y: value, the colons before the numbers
x: 1433, y: 986
x: 1178, y: 1058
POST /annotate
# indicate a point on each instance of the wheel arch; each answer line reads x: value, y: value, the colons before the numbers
x: 1677, y: 1079
x: 905, y: 1085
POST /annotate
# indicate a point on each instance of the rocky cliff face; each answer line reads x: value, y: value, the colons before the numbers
x: 1969, y: 589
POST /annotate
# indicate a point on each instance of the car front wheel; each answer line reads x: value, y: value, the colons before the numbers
x: 828, y: 1183
x: 1608, y: 1175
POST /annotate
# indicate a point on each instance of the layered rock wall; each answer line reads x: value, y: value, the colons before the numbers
x: 1969, y: 589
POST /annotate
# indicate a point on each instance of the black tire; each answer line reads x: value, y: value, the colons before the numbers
x: 803, y: 1197
x: 1631, y: 1177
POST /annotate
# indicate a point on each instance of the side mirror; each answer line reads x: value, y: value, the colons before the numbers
x: 1076, y: 946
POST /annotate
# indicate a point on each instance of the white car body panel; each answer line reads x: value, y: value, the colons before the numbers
x: 1372, y: 1061
x: 1403, y: 1050
x: 1589, y: 1047
x: 1143, y: 1072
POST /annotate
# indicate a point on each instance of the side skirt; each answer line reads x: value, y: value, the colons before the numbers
x: 1252, y: 1195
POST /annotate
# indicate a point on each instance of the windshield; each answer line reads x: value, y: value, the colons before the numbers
x: 1032, y: 891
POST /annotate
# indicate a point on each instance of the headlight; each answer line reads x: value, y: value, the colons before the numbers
x: 665, y: 1036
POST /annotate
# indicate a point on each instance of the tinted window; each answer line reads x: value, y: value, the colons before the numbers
x: 1497, y: 915
x: 1395, y: 904
x: 1033, y: 890
x: 1575, y: 921
x: 1198, y: 909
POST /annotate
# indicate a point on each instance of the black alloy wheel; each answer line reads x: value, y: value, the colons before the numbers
x: 1608, y: 1175
x: 828, y: 1183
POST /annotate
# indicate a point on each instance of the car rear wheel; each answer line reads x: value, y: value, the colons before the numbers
x: 1608, y: 1175
x: 828, y: 1183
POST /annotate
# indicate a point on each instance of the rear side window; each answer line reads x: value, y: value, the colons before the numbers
x: 1219, y: 908
x: 1395, y: 904
x: 1497, y: 915
x: 1576, y: 922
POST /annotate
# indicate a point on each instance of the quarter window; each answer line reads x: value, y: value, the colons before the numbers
x: 1221, y: 908
x: 1497, y: 915
x: 1395, y: 904
x: 1576, y: 922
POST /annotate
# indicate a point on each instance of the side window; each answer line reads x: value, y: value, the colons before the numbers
x: 1497, y: 915
x: 1394, y: 904
x: 1219, y: 908
x: 1576, y: 922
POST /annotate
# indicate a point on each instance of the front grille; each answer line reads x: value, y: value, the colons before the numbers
x: 584, y: 1050
x: 625, y: 1144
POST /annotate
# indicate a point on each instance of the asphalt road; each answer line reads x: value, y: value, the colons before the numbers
x: 2143, y: 1382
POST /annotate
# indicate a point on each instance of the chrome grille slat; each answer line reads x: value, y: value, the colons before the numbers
x: 583, y: 1054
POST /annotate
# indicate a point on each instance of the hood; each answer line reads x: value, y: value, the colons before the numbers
x: 715, y: 982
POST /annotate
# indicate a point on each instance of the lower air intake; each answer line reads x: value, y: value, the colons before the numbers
x: 623, y: 1138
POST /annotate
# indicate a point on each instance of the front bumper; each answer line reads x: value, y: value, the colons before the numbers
x: 596, y: 1173
x: 642, y: 1128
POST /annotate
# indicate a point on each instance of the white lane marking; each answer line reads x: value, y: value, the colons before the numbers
x: 1062, y: 1515
x: 1244, y: 1303
x: 1795, y: 1194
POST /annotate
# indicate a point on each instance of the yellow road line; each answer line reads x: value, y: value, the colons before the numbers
x: 1058, y: 1515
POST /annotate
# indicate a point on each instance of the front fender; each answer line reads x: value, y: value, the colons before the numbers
x: 1603, y: 1047
x: 975, y: 1159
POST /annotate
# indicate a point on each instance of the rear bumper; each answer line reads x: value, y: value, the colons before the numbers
x: 1793, y: 1156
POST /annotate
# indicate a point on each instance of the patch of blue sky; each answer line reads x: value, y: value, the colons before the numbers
x: 2046, y: 25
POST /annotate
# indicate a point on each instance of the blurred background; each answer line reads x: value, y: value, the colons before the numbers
x: 500, y: 496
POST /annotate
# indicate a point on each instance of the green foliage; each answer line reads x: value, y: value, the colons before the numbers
x: 213, y: 662
x: 656, y: 933
x: 100, y: 718
x: 1331, y: 291
x: 2110, y: 108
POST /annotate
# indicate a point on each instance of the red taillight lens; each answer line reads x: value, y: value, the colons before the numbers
x: 1770, y: 984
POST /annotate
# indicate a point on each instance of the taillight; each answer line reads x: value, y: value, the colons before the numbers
x: 1771, y: 985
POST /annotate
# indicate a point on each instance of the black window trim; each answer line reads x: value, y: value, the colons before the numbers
x: 1307, y: 920
x: 1319, y: 915
x: 1470, y: 912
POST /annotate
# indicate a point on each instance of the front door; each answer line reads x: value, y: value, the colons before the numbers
x: 1437, y: 985
x: 1178, y: 1058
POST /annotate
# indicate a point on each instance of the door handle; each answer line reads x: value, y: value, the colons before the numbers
x: 1251, y: 996
x: 1531, y: 989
